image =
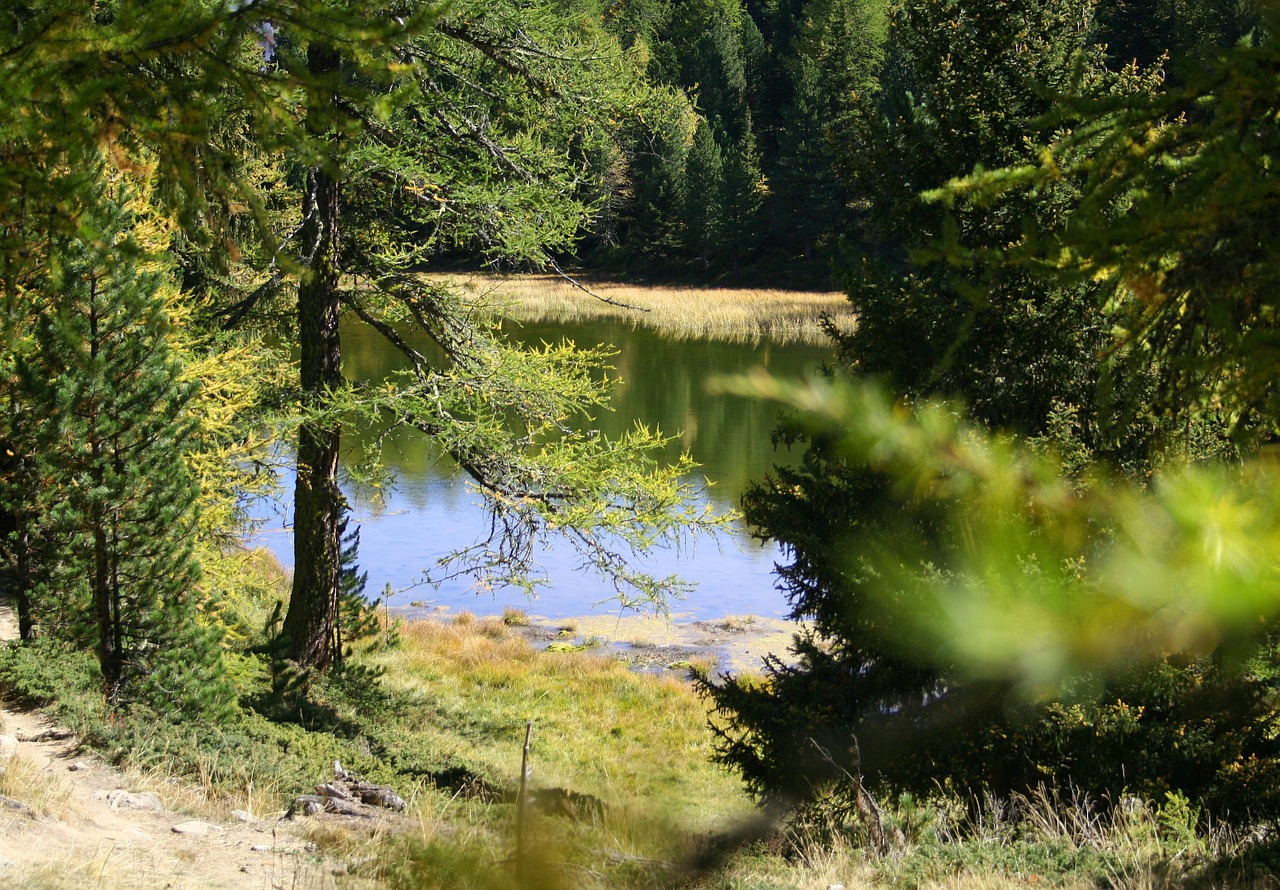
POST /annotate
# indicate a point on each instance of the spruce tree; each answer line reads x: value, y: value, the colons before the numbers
x: 968, y: 86
x: 741, y: 198
x: 832, y: 64
x: 703, y: 191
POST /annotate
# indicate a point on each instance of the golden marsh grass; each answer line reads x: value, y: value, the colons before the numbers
x: 713, y: 313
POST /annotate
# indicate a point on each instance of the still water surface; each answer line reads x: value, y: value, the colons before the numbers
x: 431, y: 510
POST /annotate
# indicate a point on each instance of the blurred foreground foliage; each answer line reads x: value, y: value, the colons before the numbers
x: 981, y: 619
x: 1088, y: 601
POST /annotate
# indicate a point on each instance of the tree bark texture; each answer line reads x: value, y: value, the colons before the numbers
x: 310, y: 626
x: 105, y: 609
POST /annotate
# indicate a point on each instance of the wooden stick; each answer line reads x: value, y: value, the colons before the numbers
x: 521, y: 802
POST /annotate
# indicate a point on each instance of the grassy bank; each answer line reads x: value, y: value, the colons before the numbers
x: 624, y: 795
x: 734, y: 314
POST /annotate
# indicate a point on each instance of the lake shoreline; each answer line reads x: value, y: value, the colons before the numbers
x: 734, y: 644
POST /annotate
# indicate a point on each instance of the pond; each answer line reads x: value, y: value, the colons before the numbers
x: 431, y: 510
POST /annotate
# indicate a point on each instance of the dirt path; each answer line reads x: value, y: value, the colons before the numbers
x: 69, y: 820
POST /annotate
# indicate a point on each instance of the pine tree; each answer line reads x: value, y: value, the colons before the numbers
x: 114, y: 515
x: 714, y: 52
x: 372, y: 119
x: 703, y: 191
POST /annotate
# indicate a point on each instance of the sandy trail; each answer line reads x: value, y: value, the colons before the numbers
x: 67, y: 820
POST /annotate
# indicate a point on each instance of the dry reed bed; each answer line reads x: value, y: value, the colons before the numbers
x: 734, y: 314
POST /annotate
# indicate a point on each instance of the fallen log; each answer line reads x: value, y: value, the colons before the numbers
x: 347, y: 795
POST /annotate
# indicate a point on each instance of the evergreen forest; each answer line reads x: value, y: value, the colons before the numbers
x: 1030, y: 512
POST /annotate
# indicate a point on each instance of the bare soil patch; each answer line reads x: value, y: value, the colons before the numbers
x: 67, y: 819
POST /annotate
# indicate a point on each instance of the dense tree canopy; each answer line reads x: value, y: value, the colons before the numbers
x: 182, y: 182
x: 1177, y: 227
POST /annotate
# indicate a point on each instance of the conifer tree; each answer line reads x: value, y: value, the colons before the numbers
x: 394, y: 184
x: 833, y: 63
x: 703, y: 192
x: 963, y: 84
x: 114, y: 513
x: 1176, y: 223
x: 741, y: 198
x: 374, y: 115
x: 1183, y: 33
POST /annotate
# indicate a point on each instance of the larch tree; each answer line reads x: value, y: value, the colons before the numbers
x: 478, y: 136
x: 411, y: 135
x: 118, y: 91
x: 88, y: 91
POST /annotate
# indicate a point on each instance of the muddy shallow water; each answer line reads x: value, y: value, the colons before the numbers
x: 735, y: 644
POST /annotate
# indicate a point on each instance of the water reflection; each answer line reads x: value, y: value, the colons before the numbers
x: 431, y: 512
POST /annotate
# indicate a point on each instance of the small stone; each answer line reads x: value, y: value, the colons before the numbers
x: 9, y: 803
x: 306, y: 805
x: 338, y: 869
x: 79, y: 766
x: 261, y: 848
x: 6, y: 863
x: 142, y: 800
x: 243, y: 816
x: 194, y: 828
x: 8, y: 746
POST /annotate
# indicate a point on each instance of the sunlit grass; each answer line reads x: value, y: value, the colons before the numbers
x: 22, y: 779
x: 635, y: 748
x: 620, y: 762
x: 638, y: 744
x: 599, y: 728
x: 733, y: 314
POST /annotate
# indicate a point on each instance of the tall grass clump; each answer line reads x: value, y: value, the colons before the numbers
x: 714, y: 313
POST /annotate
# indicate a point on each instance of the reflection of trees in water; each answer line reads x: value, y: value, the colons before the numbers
x: 663, y: 383
x: 430, y: 510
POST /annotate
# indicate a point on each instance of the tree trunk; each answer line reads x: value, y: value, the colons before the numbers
x: 105, y: 616
x: 22, y: 584
x: 15, y: 519
x: 310, y: 626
